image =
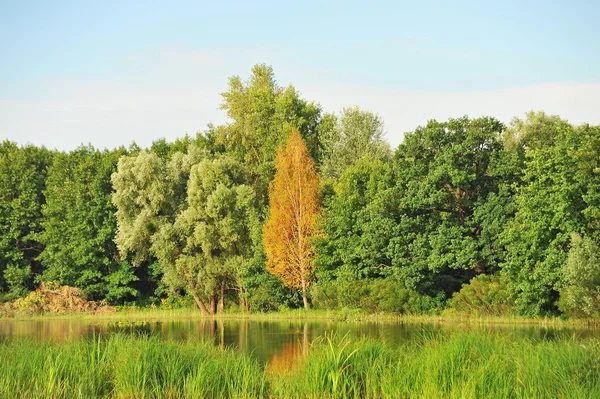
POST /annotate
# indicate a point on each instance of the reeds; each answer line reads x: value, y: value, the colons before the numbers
x: 473, y: 365
x: 436, y: 365
x: 127, y: 367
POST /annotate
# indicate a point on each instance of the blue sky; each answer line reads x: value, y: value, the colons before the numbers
x: 110, y: 72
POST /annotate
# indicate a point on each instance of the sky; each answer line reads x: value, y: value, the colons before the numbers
x: 109, y: 73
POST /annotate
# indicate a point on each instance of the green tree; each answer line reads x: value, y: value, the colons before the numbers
x: 22, y: 181
x: 204, y: 250
x: 149, y: 193
x: 261, y: 115
x: 558, y: 197
x: 580, y: 292
x: 430, y: 219
x: 359, y: 222
x: 192, y: 213
x: 79, y: 225
x: 445, y: 175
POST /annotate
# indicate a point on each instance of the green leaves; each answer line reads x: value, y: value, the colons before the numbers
x: 356, y: 134
x: 580, y: 292
x: 192, y: 212
x: 22, y: 180
x: 418, y: 217
x: 79, y: 222
x: 457, y: 199
x: 556, y: 199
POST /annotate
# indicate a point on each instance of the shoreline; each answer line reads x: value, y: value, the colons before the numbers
x: 311, y: 315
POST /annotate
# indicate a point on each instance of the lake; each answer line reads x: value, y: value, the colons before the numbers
x: 275, y: 343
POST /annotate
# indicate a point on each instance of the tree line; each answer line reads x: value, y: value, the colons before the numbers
x: 286, y: 206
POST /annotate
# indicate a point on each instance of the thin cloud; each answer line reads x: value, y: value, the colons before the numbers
x: 170, y: 92
x: 403, y: 111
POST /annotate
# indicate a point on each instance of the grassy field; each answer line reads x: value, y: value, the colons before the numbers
x: 456, y: 366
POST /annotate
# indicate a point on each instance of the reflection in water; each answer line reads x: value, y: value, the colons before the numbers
x: 284, y: 359
x: 289, y: 355
x: 278, y: 344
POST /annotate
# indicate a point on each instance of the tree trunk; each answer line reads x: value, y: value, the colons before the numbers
x: 222, y: 299
x: 304, y: 299
x: 197, y: 299
x: 243, y: 304
x: 242, y: 300
x: 212, y: 304
x: 200, y: 304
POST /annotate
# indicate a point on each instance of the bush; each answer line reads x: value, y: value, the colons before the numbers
x: 379, y: 295
x: 485, y: 294
x: 51, y: 298
x: 267, y: 294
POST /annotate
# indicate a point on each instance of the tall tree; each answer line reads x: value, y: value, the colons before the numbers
x: 261, y: 114
x: 194, y: 214
x: 359, y: 222
x: 444, y: 176
x: 558, y: 197
x: 292, y: 223
x: 22, y: 181
x: 210, y: 240
x: 149, y: 193
x: 79, y: 225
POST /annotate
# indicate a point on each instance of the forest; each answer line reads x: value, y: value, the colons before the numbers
x: 288, y: 206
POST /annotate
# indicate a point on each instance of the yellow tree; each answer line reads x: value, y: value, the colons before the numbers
x: 295, y: 205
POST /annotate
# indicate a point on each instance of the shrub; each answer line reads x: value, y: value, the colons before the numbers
x: 485, y: 294
x: 378, y: 295
x: 51, y: 298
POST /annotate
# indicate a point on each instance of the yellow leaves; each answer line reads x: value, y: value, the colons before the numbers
x: 295, y: 205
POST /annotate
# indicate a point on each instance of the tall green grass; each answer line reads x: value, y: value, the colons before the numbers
x: 457, y: 365
x: 474, y: 365
x: 127, y: 367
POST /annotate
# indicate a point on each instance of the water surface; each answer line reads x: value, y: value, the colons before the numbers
x: 276, y: 343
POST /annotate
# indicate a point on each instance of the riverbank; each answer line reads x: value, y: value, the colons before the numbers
x: 150, y: 314
x: 460, y: 365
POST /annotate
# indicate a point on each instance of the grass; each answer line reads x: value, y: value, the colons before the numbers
x: 148, y: 314
x: 459, y: 365
x: 126, y: 367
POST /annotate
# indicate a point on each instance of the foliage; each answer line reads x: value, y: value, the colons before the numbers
x: 261, y: 115
x: 558, y: 197
x: 214, y: 231
x: 402, y: 230
x: 580, y: 294
x: 22, y: 181
x: 79, y: 224
x: 444, y: 176
x: 294, y: 207
x: 377, y: 295
x: 56, y: 299
x: 484, y: 295
x: 357, y: 134
x: 424, y: 218
x: 358, y: 224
